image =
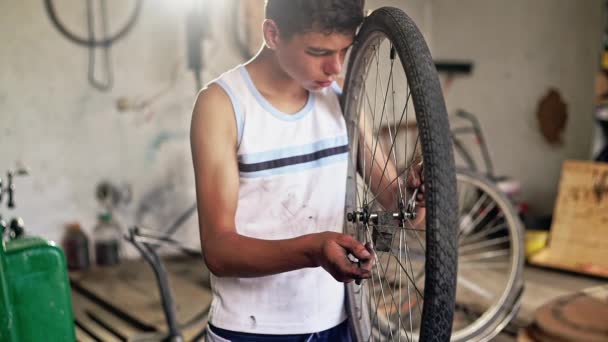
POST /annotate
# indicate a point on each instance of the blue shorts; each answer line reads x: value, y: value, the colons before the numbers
x: 339, y: 333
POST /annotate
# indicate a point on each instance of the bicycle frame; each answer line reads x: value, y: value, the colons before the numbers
x: 475, y: 129
x: 146, y: 242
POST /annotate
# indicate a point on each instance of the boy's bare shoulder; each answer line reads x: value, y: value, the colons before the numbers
x: 213, y: 115
x: 211, y: 99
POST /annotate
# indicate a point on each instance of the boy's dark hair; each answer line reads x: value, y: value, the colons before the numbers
x: 327, y: 16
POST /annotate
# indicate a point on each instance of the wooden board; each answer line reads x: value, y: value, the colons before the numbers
x: 129, y: 293
x: 93, y: 321
x: 579, y: 233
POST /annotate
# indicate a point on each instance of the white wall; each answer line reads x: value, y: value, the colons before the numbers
x: 72, y: 136
x: 521, y: 48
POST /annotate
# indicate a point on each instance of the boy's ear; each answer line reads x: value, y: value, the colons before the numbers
x: 272, y: 36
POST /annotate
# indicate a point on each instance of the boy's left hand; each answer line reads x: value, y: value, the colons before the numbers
x: 415, y: 180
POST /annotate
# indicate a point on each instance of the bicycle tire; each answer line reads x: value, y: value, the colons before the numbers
x: 394, y: 26
x: 491, y: 321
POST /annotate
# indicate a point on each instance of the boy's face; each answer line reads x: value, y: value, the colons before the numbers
x: 314, y: 59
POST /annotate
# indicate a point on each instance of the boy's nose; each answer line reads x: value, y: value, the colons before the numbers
x: 333, y: 65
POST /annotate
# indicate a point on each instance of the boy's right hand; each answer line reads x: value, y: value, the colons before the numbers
x: 332, y: 254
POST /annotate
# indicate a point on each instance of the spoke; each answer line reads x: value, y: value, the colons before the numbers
x: 376, y: 143
x: 409, y: 261
x: 484, y: 265
x: 475, y: 209
x: 375, y: 163
x: 408, y: 275
x: 405, y: 110
x: 484, y: 244
x: 396, y: 228
x: 388, y: 157
x: 485, y: 255
x: 384, y: 271
x: 392, y: 148
x: 375, y: 301
x: 418, y: 293
x: 418, y: 254
x: 391, y: 183
x: 395, y: 285
x: 381, y: 286
x: 355, y: 134
x: 462, y: 196
x: 398, y: 306
x: 415, y: 231
x: 369, y: 148
x: 398, y: 303
x: 409, y: 294
x: 384, y: 169
x: 408, y: 286
x: 483, y: 233
x: 358, y: 203
x: 484, y: 213
x: 364, y: 145
x: 373, y: 159
x: 394, y: 117
x: 474, y: 287
x: 361, y: 143
x: 376, y: 48
x: 373, y: 293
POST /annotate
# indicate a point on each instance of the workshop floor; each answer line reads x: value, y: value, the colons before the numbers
x: 123, y: 299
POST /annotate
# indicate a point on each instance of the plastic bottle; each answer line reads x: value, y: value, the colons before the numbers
x: 107, y: 235
x: 76, y: 247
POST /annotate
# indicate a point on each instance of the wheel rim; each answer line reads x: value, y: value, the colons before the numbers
x: 490, y: 259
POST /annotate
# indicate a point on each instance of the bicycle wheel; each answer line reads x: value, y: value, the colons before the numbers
x: 410, y: 296
x: 490, y: 262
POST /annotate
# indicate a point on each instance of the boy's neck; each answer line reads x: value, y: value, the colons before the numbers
x: 270, y: 78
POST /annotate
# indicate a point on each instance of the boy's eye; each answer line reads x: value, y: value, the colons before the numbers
x: 319, y: 53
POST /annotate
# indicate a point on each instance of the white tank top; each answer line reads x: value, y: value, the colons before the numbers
x: 292, y: 182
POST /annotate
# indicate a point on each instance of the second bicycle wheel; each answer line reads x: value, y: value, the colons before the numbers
x: 396, y: 117
x: 490, y: 262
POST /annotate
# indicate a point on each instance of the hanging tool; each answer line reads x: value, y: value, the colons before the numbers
x: 92, y: 41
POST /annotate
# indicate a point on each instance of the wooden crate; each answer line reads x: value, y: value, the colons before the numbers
x: 579, y: 232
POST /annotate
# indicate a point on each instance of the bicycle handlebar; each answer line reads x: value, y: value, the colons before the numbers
x: 468, y: 116
x: 150, y: 237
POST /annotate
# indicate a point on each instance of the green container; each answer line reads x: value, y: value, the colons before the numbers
x: 35, y: 299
